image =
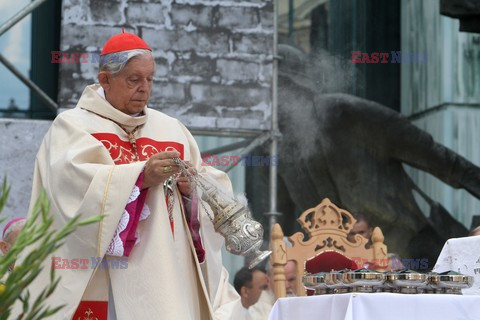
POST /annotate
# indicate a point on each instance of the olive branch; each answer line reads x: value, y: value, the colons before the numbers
x: 42, y: 240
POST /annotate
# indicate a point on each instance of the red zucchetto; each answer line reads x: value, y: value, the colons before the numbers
x: 122, y: 42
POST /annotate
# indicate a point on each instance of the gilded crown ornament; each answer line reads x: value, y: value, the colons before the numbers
x: 326, y: 216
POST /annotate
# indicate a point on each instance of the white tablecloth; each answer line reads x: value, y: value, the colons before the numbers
x: 462, y: 255
x: 378, y: 306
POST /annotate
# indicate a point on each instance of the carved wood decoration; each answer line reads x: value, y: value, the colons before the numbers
x: 279, y: 259
x: 327, y: 227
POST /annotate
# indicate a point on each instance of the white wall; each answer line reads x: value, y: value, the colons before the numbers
x: 19, y: 143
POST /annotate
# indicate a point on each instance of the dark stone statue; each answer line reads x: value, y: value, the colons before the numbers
x: 352, y: 151
x: 467, y: 11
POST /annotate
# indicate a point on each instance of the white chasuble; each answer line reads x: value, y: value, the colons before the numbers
x: 88, y: 167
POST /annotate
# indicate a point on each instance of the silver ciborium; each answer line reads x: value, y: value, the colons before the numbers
x: 232, y: 219
x: 409, y: 281
x: 316, y: 282
x: 450, y: 282
x: 363, y: 280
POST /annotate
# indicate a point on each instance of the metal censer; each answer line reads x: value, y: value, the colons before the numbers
x: 233, y: 220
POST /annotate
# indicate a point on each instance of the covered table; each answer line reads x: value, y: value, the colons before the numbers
x: 388, y: 306
x: 462, y: 255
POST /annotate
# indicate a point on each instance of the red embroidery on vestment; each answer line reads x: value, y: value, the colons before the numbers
x: 122, y: 153
x: 94, y: 310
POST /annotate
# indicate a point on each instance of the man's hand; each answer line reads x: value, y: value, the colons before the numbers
x: 159, y: 168
x: 184, y: 185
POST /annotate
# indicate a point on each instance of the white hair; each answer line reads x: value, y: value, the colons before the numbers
x: 116, y: 61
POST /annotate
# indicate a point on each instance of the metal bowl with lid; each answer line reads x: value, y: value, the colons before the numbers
x: 450, y: 282
x: 388, y: 285
x: 408, y: 281
x: 363, y: 280
x: 334, y: 280
x: 317, y: 282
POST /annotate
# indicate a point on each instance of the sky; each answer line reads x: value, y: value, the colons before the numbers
x: 15, y: 46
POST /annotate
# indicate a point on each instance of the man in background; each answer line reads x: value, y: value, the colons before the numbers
x: 361, y: 227
x: 10, y: 233
x: 250, y: 285
x: 9, y: 236
x: 475, y: 232
x: 291, y: 278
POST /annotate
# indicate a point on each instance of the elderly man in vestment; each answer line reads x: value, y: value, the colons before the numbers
x: 111, y: 155
x: 9, y: 236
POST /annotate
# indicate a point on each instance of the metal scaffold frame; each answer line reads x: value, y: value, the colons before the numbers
x: 29, y: 83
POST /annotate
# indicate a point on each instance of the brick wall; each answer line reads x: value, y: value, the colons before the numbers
x: 213, y: 58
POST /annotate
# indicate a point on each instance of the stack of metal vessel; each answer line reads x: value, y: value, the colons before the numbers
x: 404, y: 281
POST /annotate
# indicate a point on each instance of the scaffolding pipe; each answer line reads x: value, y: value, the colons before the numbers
x: 242, y: 133
x: 228, y: 147
x: 291, y: 21
x: 20, y: 15
x: 273, y: 213
x: 29, y: 83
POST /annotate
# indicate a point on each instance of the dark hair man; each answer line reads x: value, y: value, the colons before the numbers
x: 249, y: 284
